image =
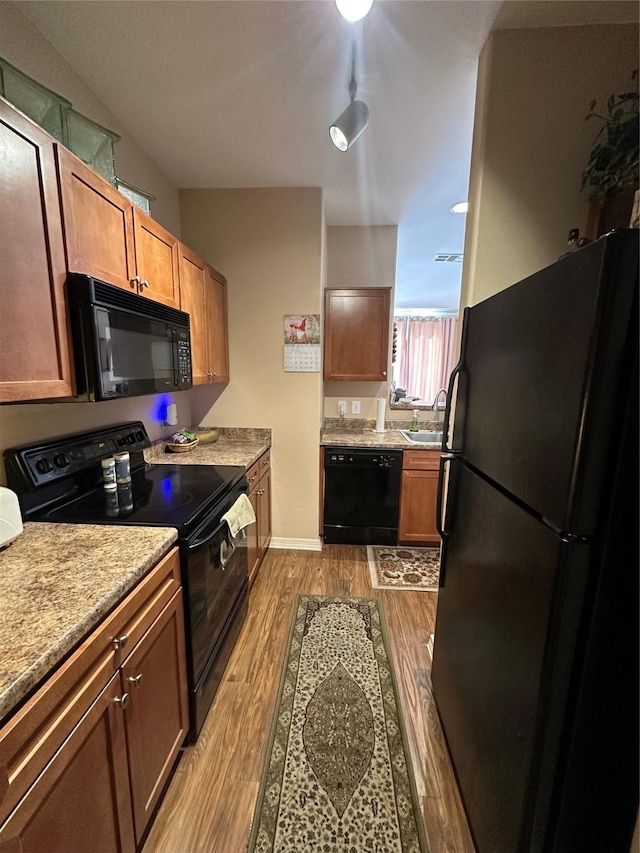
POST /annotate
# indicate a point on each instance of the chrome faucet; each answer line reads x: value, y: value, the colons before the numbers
x: 434, y: 407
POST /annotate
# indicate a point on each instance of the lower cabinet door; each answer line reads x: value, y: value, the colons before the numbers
x: 418, y: 502
x: 157, y: 715
x: 253, y: 550
x: 81, y: 801
x: 264, y: 512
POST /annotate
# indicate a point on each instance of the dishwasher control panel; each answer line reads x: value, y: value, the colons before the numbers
x: 362, y: 457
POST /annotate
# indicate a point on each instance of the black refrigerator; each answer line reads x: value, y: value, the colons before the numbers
x: 535, y: 664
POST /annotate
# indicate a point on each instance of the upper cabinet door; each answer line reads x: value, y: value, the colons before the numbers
x: 35, y: 359
x: 192, y: 300
x: 356, y: 334
x: 216, y: 311
x: 98, y: 224
x: 156, y: 260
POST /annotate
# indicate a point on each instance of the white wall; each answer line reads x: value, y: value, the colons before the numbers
x: 531, y: 144
x: 269, y: 245
x: 25, y: 47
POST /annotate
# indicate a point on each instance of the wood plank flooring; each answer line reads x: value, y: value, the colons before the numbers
x: 210, y: 802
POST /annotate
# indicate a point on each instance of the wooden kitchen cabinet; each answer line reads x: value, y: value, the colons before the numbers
x: 203, y: 296
x: 80, y: 757
x: 109, y: 238
x: 216, y: 325
x: 418, y: 498
x: 156, y: 254
x: 356, y: 334
x: 157, y: 716
x: 98, y: 224
x: 259, y: 534
x: 35, y: 353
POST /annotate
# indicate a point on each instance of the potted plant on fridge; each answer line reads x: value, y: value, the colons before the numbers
x: 611, y: 172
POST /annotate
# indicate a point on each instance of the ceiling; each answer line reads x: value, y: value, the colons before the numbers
x: 241, y: 93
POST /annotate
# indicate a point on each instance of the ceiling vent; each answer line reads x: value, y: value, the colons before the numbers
x: 449, y: 257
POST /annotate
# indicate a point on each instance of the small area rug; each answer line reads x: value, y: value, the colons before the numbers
x: 336, y: 777
x: 404, y: 568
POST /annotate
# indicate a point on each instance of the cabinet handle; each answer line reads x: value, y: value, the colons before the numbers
x: 136, y: 680
x: 120, y: 642
x: 135, y: 281
x: 260, y: 492
x: 384, y: 372
x: 251, y: 479
x: 122, y: 701
x: 144, y: 283
x: 213, y: 374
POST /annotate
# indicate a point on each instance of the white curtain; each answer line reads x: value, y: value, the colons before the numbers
x: 426, y: 353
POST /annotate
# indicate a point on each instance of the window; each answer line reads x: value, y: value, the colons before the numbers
x: 426, y: 353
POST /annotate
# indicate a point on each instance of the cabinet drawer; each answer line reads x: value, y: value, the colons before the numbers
x: 421, y: 460
x: 256, y: 471
x: 32, y: 736
x: 253, y: 475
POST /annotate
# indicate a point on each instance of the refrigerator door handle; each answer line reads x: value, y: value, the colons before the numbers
x: 457, y: 370
x: 440, y: 512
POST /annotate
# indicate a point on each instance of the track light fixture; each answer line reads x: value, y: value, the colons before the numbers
x: 352, y: 121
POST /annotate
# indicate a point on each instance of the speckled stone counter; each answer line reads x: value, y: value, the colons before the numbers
x: 235, y: 446
x: 361, y: 433
x: 57, y: 582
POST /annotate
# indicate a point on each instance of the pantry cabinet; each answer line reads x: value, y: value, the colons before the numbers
x: 418, y: 498
x: 356, y: 334
x: 35, y: 353
x: 85, y: 760
x: 259, y: 534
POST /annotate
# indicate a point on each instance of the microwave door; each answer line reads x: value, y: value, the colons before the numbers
x: 135, y: 354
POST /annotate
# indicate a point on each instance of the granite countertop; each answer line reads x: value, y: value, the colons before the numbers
x: 57, y: 582
x: 361, y: 433
x: 233, y: 447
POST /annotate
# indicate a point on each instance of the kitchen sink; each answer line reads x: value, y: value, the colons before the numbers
x: 422, y: 436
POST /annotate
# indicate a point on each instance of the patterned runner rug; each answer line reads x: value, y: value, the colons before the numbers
x: 336, y: 777
x: 404, y: 568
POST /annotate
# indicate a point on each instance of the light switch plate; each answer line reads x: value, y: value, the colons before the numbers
x: 355, y: 407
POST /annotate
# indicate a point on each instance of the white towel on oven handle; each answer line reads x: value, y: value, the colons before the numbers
x: 240, y: 515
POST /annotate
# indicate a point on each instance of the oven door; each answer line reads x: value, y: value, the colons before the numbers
x: 216, y: 568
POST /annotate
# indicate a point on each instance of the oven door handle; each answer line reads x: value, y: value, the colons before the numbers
x: 225, y: 554
x: 200, y: 543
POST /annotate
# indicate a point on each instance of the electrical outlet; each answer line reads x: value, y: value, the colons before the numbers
x: 342, y: 408
x: 355, y: 407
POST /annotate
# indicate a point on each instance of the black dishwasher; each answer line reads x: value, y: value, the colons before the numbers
x: 361, y: 495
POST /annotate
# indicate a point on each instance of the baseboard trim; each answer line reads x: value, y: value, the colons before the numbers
x: 295, y: 544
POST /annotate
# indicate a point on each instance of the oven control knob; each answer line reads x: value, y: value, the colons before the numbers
x: 140, y: 435
x: 43, y: 466
x: 131, y: 439
x: 60, y: 460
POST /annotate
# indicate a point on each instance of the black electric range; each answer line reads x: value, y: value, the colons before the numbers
x: 60, y: 481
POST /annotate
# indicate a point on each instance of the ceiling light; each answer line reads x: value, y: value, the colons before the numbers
x: 352, y: 121
x: 460, y: 207
x: 353, y: 10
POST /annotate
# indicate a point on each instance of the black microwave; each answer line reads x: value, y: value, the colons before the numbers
x: 125, y: 345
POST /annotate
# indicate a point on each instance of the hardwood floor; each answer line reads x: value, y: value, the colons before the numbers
x: 209, y: 805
